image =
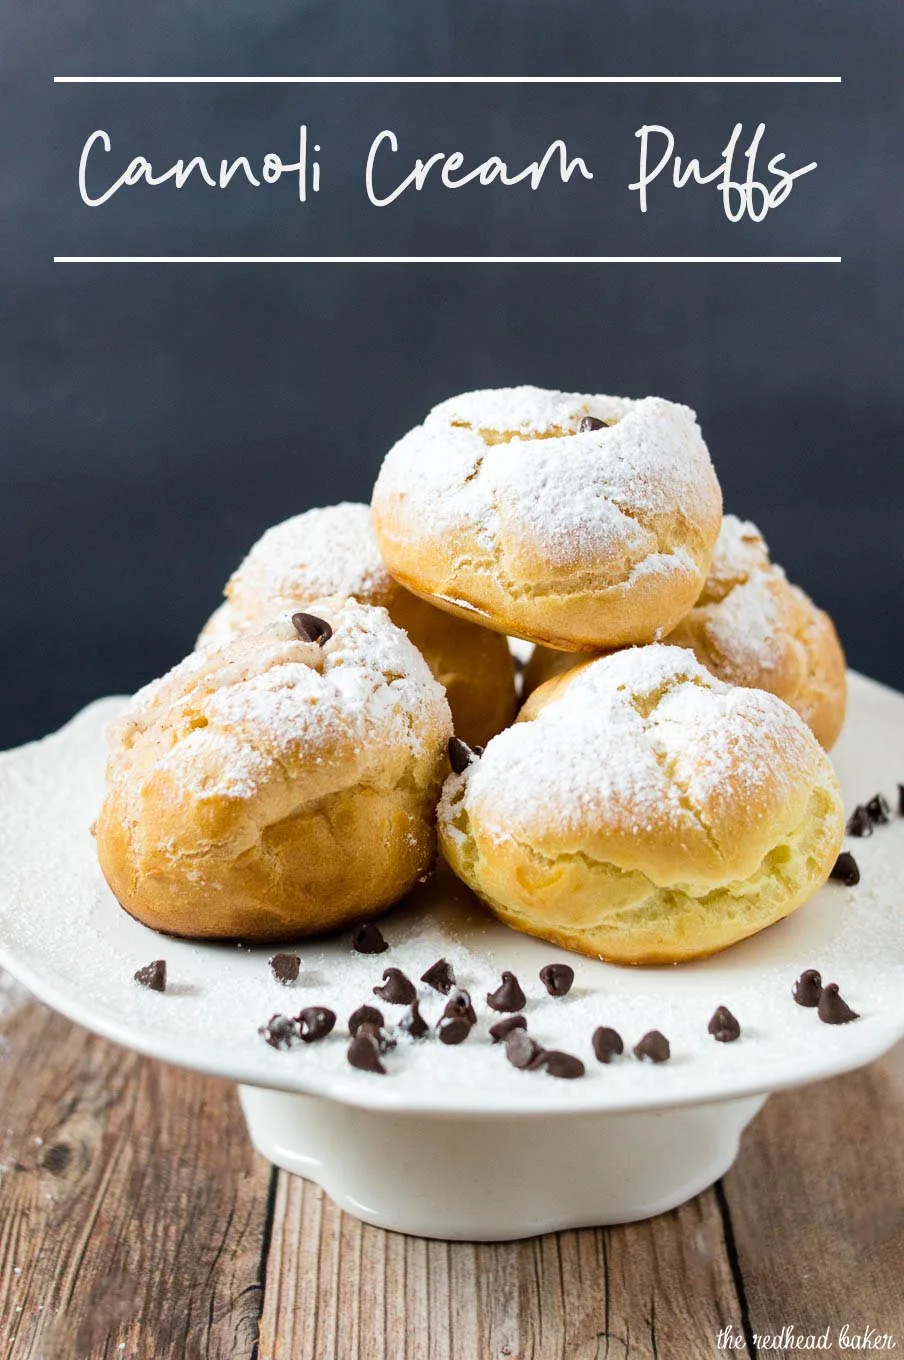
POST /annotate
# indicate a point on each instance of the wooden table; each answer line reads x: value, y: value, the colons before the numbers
x: 137, y: 1222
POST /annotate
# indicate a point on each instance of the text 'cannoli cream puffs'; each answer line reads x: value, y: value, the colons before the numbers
x: 578, y: 521
x: 332, y: 551
x: 281, y: 784
x: 751, y: 627
x: 642, y: 811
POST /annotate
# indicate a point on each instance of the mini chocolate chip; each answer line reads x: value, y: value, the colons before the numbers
x: 560, y: 1064
x: 311, y: 629
x: 453, y: 1029
x: 364, y: 1054
x: 315, y: 1022
x: 368, y: 939
x: 285, y: 967
x: 153, y: 976
x: 364, y: 1015
x: 413, y: 1023
x: 557, y: 978
x: 440, y: 976
x: 503, y: 1028
x: 508, y: 996
x: 607, y: 1044
x: 279, y: 1031
x: 592, y: 423
x: 807, y: 988
x: 379, y: 1035
x: 833, y: 1009
x: 878, y: 811
x: 723, y: 1026
x: 461, y: 754
x: 653, y: 1047
x: 846, y: 869
x: 859, y: 823
x: 521, y: 1050
x: 459, y: 1007
x: 397, y: 989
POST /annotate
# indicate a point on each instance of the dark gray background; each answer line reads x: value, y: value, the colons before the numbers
x: 156, y: 419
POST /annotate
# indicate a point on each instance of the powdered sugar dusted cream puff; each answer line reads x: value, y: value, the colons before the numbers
x: 333, y: 551
x: 280, y: 784
x: 643, y: 811
x: 579, y: 521
x: 751, y: 627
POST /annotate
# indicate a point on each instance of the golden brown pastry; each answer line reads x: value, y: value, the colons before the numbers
x: 578, y: 521
x: 642, y: 811
x: 276, y: 786
x: 333, y: 551
x: 751, y: 627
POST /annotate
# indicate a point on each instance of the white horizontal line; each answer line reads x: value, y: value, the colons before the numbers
x: 447, y: 80
x: 447, y: 259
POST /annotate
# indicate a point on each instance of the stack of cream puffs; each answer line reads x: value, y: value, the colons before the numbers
x: 664, y: 790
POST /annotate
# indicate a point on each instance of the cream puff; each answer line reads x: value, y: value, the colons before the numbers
x: 280, y: 784
x: 642, y: 811
x: 578, y: 521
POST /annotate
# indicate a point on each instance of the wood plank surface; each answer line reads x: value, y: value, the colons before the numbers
x: 817, y: 1209
x: 338, y: 1289
x: 133, y: 1211
x: 136, y: 1222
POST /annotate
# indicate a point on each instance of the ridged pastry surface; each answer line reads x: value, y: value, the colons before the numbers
x: 332, y: 550
x: 272, y: 787
x: 643, y: 811
x: 499, y: 507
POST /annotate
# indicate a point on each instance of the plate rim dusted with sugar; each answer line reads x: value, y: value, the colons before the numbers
x: 63, y: 935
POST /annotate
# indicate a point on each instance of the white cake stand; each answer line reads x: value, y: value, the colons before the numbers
x: 454, y: 1142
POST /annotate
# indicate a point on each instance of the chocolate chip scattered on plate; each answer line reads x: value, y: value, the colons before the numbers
x: 285, y: 968
x: 521, y: 1050
x: 859, y: 822
x: 808, y: 988
x: 279, y: 1031
x: 368, y: 939
x: 413, y: 1023
x: 459, y: 1007
x: 364, y: 1054
x: 878, y: 811
x: 364, y: 1015
x: 607, y: 1044
x: 832, y: 1008
x: 311, y: 629
x: 846, y: 870
x: 653, y: 1047
x: 152, y: 976
x: 560, y: 1064
x: 503, y: 1028
x: 557, y: 978
x: 397, y: 989
x: 723, y: 1026
x: 508, y: 996
x: 453, y: 1029
x: 440, y: 976
x: 314, y: 1023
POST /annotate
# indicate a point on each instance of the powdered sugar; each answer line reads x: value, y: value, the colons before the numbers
x: 328, y: 551
x: 63, y: 932
x: 613, y: 492
x: 638, y: 735
x: 224, y: 719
